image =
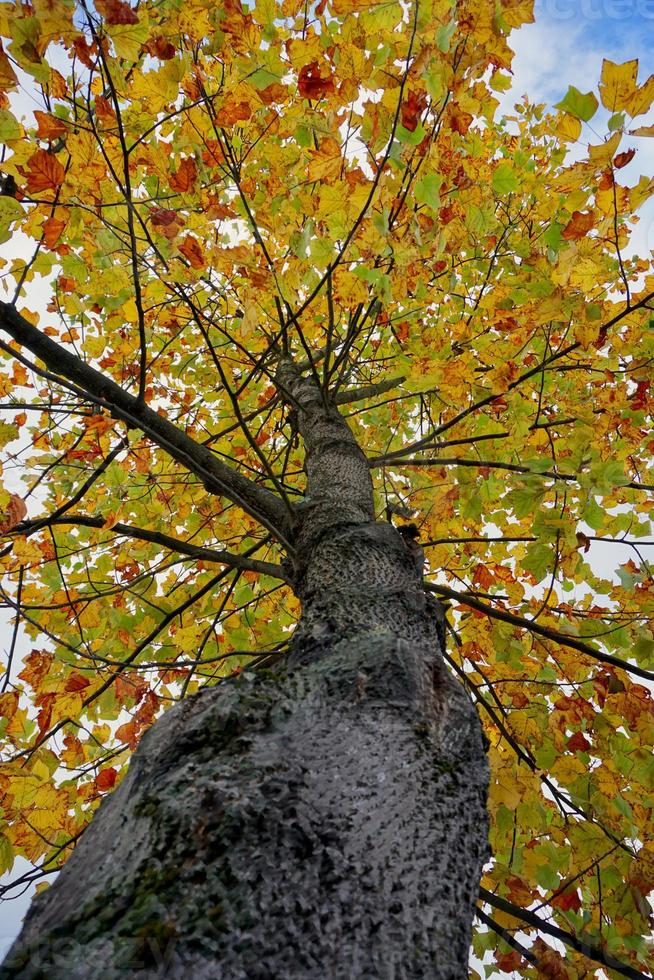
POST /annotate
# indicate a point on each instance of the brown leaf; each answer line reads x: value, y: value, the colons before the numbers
x: 162, y: 217
x: 622, y: 159
x: 184, y: 179
x: 460, y: 122
x: 14, y: 514
x: 191, y: 250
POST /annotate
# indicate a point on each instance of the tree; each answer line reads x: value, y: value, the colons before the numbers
x: 327, y: 344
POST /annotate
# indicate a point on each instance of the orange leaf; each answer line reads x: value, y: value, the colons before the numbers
x: 44, y: 172
x: 49, y: 127
x: 191, y: 250
x: 128, y: 733
x: 579, y: 225
x: 184, y: 179
x: 52, y: 229
x: 232, y: 112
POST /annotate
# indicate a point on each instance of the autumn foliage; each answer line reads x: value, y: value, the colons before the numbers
x: 205, y: 184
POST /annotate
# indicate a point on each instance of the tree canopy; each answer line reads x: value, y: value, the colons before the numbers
x: 205, y: 187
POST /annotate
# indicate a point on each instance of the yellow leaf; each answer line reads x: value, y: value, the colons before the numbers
x: 642, y: 99
x: 326, y: 161
x: 618, y: 84
x: 568, y: 127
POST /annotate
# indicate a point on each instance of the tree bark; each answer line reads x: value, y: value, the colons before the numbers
x: 324, y: 821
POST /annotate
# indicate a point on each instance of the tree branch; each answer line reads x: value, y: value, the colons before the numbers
x: 196, y: 552
x: 551, y: 634
x: 587, y: 949
x: 259, y: 502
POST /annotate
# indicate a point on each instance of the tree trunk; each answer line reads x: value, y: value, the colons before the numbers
x: 324, y: 821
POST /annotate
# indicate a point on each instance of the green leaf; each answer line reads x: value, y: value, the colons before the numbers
x: 428, y: 190
x: 505, y: 180
x: 262, y: 78
x: 10, y: 128
x: 539, y: 560
x: 578, y: 104
x: 444, y: 36
x: 10, y: 210
x: 616, y: 121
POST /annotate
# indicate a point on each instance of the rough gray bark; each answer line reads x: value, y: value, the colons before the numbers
x: 325, y: 821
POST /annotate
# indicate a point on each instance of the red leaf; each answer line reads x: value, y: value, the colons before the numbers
x: 578, y: 743
x: 310, y: 83
x: 44, y: 172
x: 106, y: 779
x: 162, y: 217
x: 84, y: 51
x: 622, y: 159
x: 412, y: 110
x: 116, y: 12
x: 579, y: 225
x: 569, y: 899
